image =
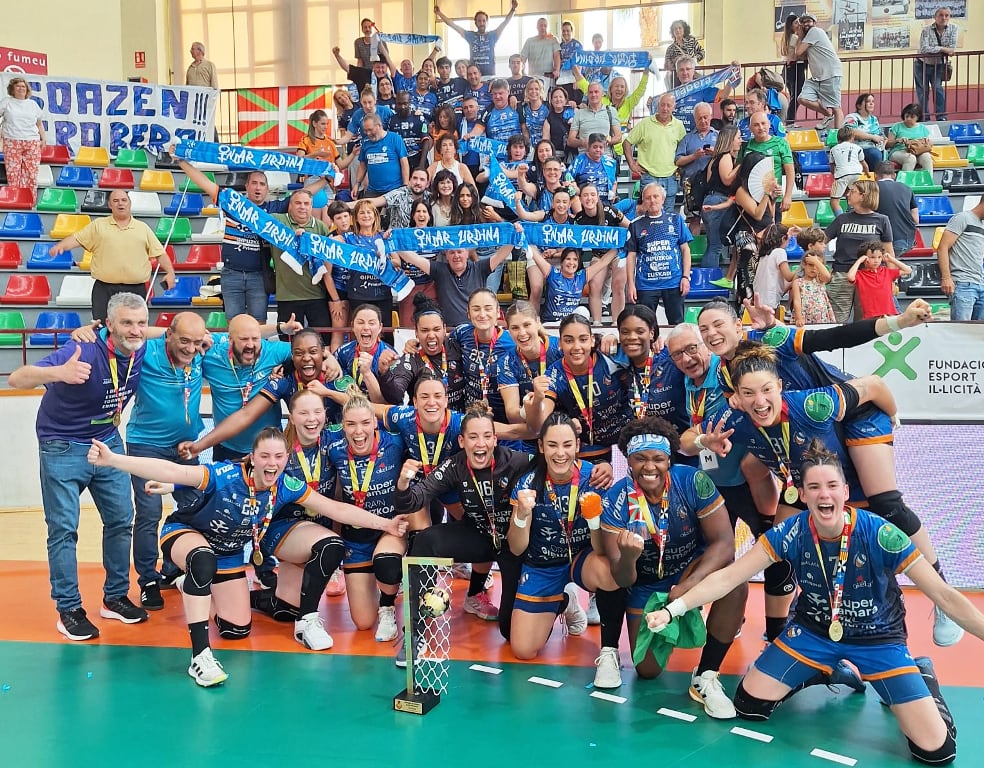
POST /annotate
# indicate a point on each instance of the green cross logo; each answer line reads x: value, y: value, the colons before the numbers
x: 895, y: 354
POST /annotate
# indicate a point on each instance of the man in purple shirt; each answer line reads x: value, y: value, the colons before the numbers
x: 87, y: 386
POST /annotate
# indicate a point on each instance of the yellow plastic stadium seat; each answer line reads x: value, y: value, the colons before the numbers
x: 68, y: 224
x: 210, y: 210
x: 86, y: 263
x: 803, y: 141
x: 157, y: 181
x: 97, y: 157
x: 201, y: 301
x: 948, y: 156
x: 797, y: 216
x: 937, y: 236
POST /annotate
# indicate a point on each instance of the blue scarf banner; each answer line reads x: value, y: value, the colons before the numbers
x: 320, y: 250
x: 405, y: 38
x: 484, y: 146
x: 500, y: 186
x: 705, y: 89
x: 582, y: 238
x: 254, y: 159
x: 261, y: 223
x: 625, y: 59
x: 430, y: 239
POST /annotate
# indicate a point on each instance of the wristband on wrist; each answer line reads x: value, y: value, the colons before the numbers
x: 676, y: 607
x: 699, y: 442
x: 893, y: 323
x: 519, y: 522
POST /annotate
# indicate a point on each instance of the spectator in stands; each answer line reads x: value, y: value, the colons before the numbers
x: 315, y: 143
x: 368, y: 106
x: 778, y: 149
x: 683, y: 44
x: 959, y: 257
x: 362, y: 77
x: 499, y: 121
x: 383, y: 164
x: 423, y: 99
x: 847, y: 163
x: 623, y: 102
x: 534, y: 111
x: 518, y: 82
x: 822, y: 91
x: 541, y: 54
x: 368, y: 47
x: 558, y: 123
x: 344, y: 109
x: 658, y: 256
x: 442, y: 193
x: 569, y: 46
x: 444, y: 124
x: 412, y: 128
x: 755, y: 102
x: 874, y: 280
x: 87, y: 387
x: 23, y: 136
x: 898, y: 203
x: 595, y: 117
x: 201, y: 71
x: 122, y: 248
x: 729, y: 114
x: 867, y: 130
x: 405, y: 79
x: 937, y: 43
x: 385, y: 95
x: 399, y: 202
x: 481, y: 42
x: 694, y: 152
x: 467, y: 128
x: 909, y: 142
x: 794, y: 70
x: 722, y: 184
x: 602, y: 74
x: 656, y: 139
x: 477, y: 89
x: 448, y: 89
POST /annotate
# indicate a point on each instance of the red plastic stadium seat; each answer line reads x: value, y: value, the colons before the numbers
x: 819, y: 184
x: 10, y: 256
x: 201, y: 258
x: 116, y: 178
x: 27, y: 289
x: 16, y: 199
x: 57, y: 154
x: 164, y: 319
x: 919, y: 248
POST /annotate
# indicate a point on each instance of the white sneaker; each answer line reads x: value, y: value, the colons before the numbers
x: 946, y: 631
x: 481, y: 605
x: 386, y: 628
x: 609, y: 672
x: 206, y: 671
x: 309, y: 631
x: 461, y: 571
x: 594, y: 618
x: 574, y: 616
x: 707, y: 690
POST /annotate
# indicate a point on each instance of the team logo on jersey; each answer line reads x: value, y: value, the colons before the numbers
x: 292, y: 483
x: 860, y: 560
x: 793, y: 632
x: 819, y: 407
x: 524, y: 578
x: 799, y: 438
x: 704, y: 486
x: 776, y: 336
x: 891, y: 539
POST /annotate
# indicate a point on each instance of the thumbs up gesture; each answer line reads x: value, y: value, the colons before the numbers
x: 75, y: 370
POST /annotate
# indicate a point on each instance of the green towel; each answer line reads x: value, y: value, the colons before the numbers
x: 687, y: 631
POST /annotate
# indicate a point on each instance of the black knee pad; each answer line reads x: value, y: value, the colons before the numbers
x: 751, y: 708
x: 231, y: 631
x: 327, y: 554
x: 942, y: 756
x: 388, y: 568
x: 890, y: 506
x: 200, y: 572
x: 779, y: 579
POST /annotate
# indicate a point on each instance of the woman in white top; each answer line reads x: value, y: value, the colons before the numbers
x: 23, y: 136
x: 447, y: 160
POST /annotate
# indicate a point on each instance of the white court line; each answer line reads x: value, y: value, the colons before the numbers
x: 676, y: 715
x: 546, y: 682
x: 739, y: 731
x: 608, y: 697
x: 486, y: 670
x: 833, y: 757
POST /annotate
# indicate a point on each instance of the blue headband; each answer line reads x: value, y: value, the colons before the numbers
x: 648, y: 443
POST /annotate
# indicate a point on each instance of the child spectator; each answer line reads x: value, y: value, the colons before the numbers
x: 773, y: 275
x: 807, y: 295
x: 846, y: 164
x: 874, y: 281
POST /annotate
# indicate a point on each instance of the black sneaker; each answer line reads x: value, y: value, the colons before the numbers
x: 150, y: 597
x: 169, y: 577
x: 267, y: 579
x: 75, y: 625
x: 121, y: 609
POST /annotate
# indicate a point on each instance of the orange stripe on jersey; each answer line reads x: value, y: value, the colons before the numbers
x: 798, y: 336
x: 909, y: 562
x: 843, y: 405
x: 888, y: 673
x: 206, y: 476
x: 769, y: 550
x: 876, y: 440
x: 547, y: 599
x: 801, y: 658
x: 710, y: 508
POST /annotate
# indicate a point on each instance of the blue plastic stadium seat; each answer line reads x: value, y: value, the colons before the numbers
x: 793, y: 249
x: 180, y: 295
x: 68, y: 321
x: 814, y: 161
x: 76, y: 176
x: 700, y: 284
x: 42, y: 259
x: 190, y: 205
x: 966, y: 133
x: 934, y: 209
x: 22, y: 226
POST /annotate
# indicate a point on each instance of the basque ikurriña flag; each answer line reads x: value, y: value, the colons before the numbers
x: 278, y: 117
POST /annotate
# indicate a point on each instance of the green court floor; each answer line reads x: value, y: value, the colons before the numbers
x: 74, y: 705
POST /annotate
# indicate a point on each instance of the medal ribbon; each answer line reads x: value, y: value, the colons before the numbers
x: 244, y: 391
x: 428, y: 463
x: 444, y: 364
x: 658, y: 530
x: 114, y: 374
x: 483, y: 367
x: 187, y: 384
x: 259, y: 527
x: 359, y: 492
x: 567, y: 525
x: 543, y: 360
x: 697, y: 407
x: 835, y: 595
x: 356, y: 373
x: 640, y: 394
x: 486, y: 508
x: 588, y: 411
x: 784, y: 464
x: 311, y: 476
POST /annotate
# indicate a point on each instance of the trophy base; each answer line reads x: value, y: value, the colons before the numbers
x: 416, y: 703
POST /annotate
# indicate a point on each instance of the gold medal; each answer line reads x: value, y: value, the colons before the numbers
x: 790, y: 495
x: 116, y: 420
x: 836, y: 631
x: 257, y: 556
